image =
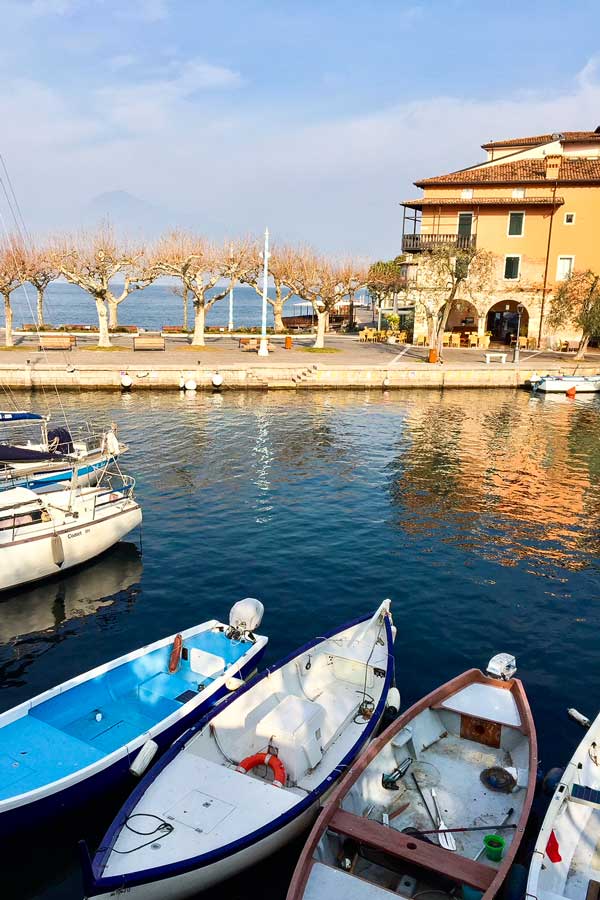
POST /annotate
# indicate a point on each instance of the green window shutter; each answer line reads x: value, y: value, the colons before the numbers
x: 511, y: 267
x: 516, y: 220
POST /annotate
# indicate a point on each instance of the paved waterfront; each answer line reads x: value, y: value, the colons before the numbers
x: 225, y: 351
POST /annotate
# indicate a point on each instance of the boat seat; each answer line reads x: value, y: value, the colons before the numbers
x: 163, y: 686
x: 406, y: 847
x: 340, y: 707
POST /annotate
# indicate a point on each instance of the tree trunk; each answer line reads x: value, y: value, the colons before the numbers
x: 583, y: 343
x: 321, y: 325
x: 103, y: 335
x: 113, y: 314
x: 40, y: 306
x: 199, y: 317
x: 8, y: 339
x: 278, y: 316
x: 442, y: 326
x: 185, y: 308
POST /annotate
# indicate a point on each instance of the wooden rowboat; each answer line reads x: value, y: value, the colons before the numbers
x: 382, y: 832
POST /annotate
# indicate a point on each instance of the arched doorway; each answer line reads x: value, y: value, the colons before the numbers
x: 502, y: 321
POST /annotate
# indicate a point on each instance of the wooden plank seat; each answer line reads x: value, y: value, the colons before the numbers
x: 149, y: 342
x: 411, y: 849
x: 57, y: 341
x: 251, y: 343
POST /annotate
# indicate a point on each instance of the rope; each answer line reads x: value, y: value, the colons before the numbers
x: 162, y: 829
x: 25, y: 239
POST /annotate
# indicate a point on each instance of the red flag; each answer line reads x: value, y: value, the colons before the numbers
x: 552, y: 849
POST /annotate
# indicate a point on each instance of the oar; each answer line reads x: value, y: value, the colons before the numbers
x: 444, y: 837
x: 423, y: 800
x: 474, y: 828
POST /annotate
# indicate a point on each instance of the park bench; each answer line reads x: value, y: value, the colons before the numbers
x: 149, y: 342
x: 251, y: 343
x: 497, y: 354
x: 57, y: 341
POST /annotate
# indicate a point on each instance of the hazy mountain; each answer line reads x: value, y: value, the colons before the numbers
x: 132, y: 215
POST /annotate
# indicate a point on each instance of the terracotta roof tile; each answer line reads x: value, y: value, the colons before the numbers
x: 544, y: 139
x: 484, y: 201
x: 573, y: 170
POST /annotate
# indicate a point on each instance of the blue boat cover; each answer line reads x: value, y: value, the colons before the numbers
x: 20, y: 417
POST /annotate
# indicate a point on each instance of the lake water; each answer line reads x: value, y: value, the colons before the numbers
x: 155, y: 306
x: 477, y: 513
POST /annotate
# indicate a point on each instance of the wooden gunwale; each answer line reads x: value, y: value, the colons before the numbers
x: 433, y: 699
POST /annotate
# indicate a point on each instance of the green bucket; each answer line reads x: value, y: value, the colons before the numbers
x: 494, y: 847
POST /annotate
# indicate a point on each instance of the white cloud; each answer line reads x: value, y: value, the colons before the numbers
x: 335, y: 184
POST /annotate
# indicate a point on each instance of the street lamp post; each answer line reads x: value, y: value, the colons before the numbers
x: 230, y: 325
x: 517, y: 350
x: 263, y: 349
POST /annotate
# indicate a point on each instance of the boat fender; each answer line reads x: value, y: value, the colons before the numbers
x: 147, y: 753
x: 552, y: 779
x: 126, y: 381
x: 175, y: 654
x: 264, y: 759
x: 58, y: 552
x: 393, y: 700
x: 572, y: 392
x: 578, y: 717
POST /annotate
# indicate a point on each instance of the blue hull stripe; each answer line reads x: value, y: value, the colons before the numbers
x: 44, y: 479
x: 95, y: 884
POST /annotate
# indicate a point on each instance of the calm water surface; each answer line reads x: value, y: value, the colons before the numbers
x: 477, y: 513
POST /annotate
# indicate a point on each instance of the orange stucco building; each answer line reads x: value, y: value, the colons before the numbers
x: 535, y: 205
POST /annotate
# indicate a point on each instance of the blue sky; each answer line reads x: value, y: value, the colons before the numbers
x: 313, y: 118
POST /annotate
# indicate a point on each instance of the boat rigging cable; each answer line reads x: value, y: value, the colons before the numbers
x: 25, y: 238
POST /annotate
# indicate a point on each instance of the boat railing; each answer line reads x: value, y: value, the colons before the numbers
x: 113, y: 480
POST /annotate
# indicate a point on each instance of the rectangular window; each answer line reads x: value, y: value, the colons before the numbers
x: 518, y: 193
x: 467, y: 194
x: 465, y: 224
x: 569, y: 218
x: 516, y: 224
x: 564, y: 267
x: 512, y: 265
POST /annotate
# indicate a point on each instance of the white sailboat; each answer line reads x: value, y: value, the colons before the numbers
x: 249, y: 776
x: 560, y: 384
x: 42, y: 534
x: 48, y: 461
x: 566, y: 860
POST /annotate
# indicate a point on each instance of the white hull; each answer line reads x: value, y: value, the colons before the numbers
x: 76, y: 530
x: 582, y: 385
x: 565, y: 859
x: 192, y: 883
x: 220, y: 818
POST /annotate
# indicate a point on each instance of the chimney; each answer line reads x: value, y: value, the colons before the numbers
x: 552, y: 167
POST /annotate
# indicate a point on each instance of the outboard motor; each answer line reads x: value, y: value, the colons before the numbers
x: 503, y: 666
x: 245, y: 617
x: 60, y: 440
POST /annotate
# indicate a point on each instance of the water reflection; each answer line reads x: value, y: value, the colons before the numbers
x: 34, y: 620
x: 500, y: 479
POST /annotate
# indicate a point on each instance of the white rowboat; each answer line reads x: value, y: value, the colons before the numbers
x: 249, y: 777
x: 566, y: 860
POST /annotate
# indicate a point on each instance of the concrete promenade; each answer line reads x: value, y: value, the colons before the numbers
x: 351, y: 365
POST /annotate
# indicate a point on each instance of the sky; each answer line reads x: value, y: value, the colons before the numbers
x: 312, y: 118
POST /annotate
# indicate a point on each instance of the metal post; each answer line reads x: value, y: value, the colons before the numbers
x: 517, y: 350
x: 263, y: 349
x: 230, y: 325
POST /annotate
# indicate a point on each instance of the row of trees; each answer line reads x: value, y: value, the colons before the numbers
x: 109, y: 271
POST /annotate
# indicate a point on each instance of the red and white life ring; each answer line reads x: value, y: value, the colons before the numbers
x: 265, y: 759
x: 176, y: 654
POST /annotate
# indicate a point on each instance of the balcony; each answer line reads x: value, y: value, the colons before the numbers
x: 416, y: 243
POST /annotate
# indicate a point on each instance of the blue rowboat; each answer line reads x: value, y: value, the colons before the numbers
x: 80, y: 739
x: 251, y: 774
